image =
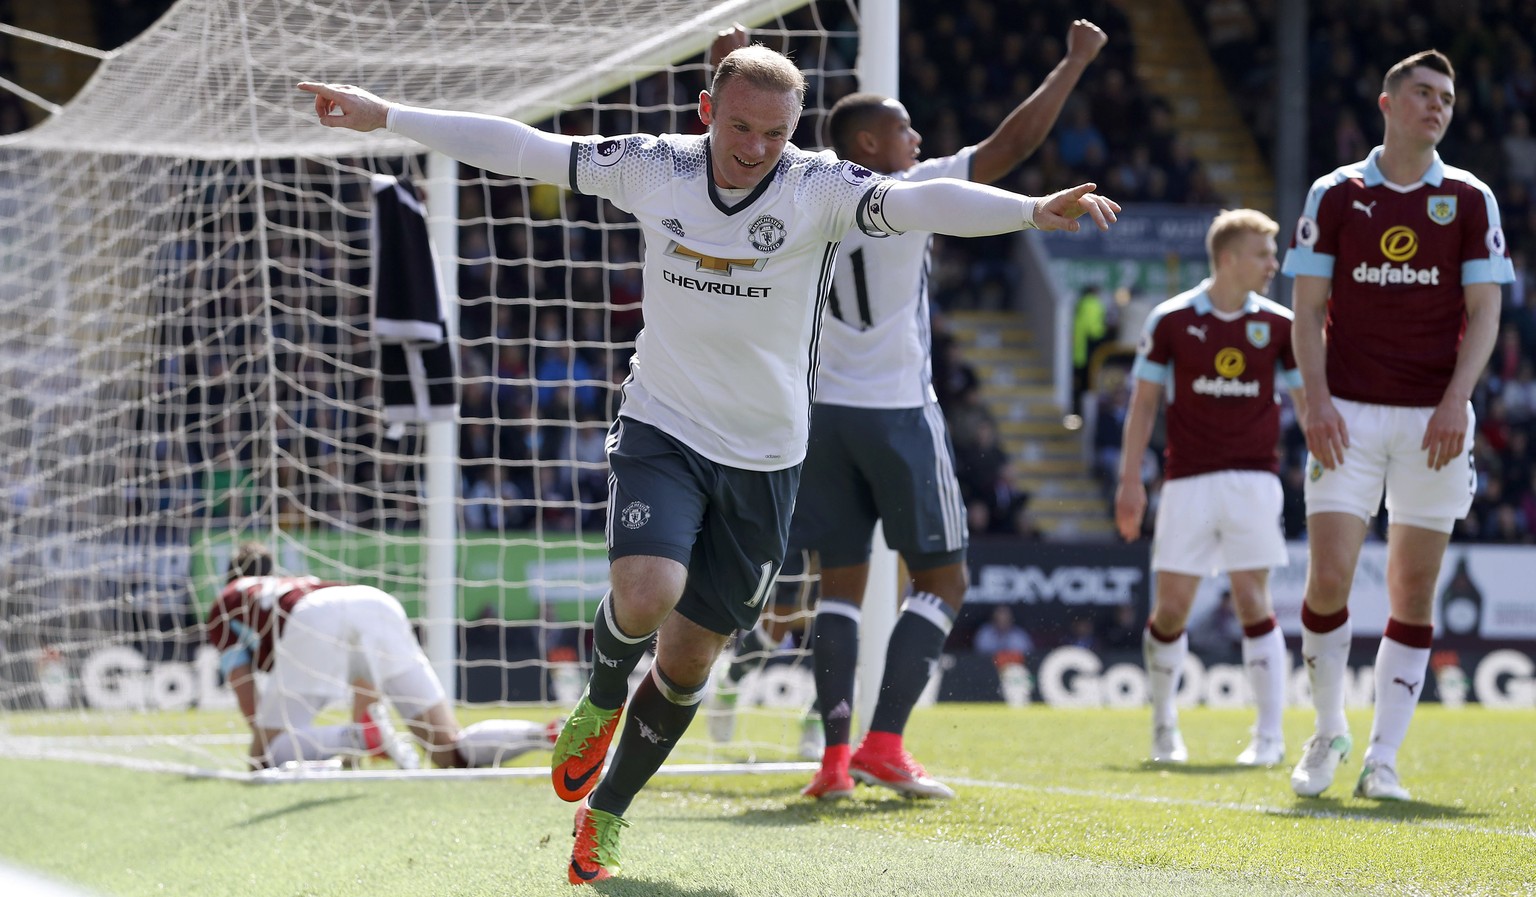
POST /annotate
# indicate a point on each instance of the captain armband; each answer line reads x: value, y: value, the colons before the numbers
x: 871, y: 216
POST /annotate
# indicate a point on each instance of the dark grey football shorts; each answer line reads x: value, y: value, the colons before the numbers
x: 728, y: 525
x: 891, y: 465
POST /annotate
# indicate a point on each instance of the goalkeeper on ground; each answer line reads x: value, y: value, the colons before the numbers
x: 315, y: 641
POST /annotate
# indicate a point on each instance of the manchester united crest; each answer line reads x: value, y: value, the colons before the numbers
x: 766, y: 233
x: 635, y: 515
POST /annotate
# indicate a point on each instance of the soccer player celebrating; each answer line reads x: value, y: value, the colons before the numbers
x: 313, y: 639
x: 1398, y: 260
x: 741, y: 232
x: 880, y: 451
x: 1217, y: 350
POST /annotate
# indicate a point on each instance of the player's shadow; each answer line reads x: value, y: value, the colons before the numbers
x: 642, y: 887
x: 1199, y: 769
x: 785, y: 807
x: 1379, y: 811
x: 301, y: 806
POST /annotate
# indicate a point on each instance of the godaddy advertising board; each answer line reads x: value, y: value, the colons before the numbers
x: 509, y: 577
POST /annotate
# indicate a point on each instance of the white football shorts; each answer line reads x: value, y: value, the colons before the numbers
x: 1218, y: 522
x: 1385, y: 451
x: 336, y: 635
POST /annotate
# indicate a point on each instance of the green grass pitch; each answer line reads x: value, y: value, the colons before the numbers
x: 1050, y: 802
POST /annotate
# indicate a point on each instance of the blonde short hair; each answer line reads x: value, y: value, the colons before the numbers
x: 762, y: 68
x: 1233, y: 223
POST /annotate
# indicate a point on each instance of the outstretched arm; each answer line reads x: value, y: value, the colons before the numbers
x: 1025, y: 128
x: 346, y: 106
x: 484, y: 141
x: 964, y: 209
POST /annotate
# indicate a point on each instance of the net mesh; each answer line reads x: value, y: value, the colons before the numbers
x: 186, y: 355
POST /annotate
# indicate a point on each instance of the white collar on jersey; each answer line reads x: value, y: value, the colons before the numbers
x: 1374, y: 178
x: 1202, y: 303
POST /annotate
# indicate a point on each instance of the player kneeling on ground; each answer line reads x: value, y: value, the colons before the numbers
x: 312, y: 638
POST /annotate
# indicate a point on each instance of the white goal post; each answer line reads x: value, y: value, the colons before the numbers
x: 187, y: 357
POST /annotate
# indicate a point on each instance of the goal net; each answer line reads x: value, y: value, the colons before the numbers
x: 188, y: 357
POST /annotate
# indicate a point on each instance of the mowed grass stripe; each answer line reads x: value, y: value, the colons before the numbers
x: 1051, y: 802
x: 1241, y: 807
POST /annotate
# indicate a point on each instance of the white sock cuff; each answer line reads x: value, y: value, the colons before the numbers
x: 1258, y: 643
x: 931, y: 608
x: 837, y: 608
x: 1156, y: 645
x: 606, y: 609
x: 1343, y: 635
x: 675, y: 693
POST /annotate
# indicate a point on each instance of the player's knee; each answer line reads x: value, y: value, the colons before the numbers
x: 685, y: 668
x: 1328, y: 586
x: 1169, y: 616
x: 1412, y: 589
x: 949, y: 582
x: 638, y: 611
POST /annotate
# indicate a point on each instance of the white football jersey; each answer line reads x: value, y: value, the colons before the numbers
x: 876, y: 348
x: 733, y: 294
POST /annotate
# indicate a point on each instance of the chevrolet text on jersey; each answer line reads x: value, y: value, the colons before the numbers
x: 717, y: 287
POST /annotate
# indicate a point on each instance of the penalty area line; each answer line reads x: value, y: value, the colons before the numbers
x: 1240, y: 807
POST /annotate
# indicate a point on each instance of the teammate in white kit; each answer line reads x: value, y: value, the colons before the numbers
x: 879, y: 450
x: 741, y: 233
x: 1398, y: 260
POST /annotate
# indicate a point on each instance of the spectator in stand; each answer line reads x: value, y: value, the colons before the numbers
x: 1078, y: 139
x: 1080, y: 633
x: 1090, y: 329
x: 953, y: 376
x: 1121, y: 631
x: 986, y: 476
x: 1220, y: 635
x: 1520, y: 149
x: 1231, y: 32
x: 1002, y: 633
